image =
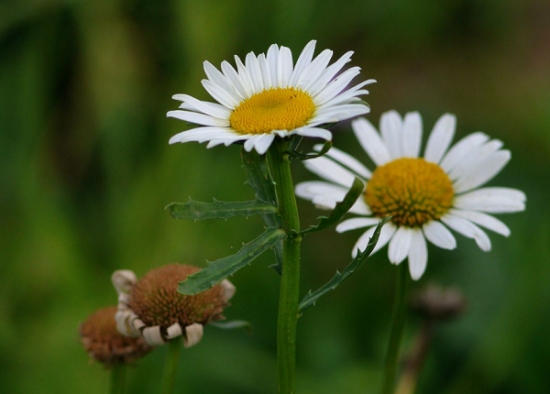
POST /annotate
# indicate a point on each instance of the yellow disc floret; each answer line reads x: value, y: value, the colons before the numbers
x: 273, y: 109
x: 412, y: 190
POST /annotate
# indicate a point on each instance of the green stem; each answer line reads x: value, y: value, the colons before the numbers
x: 290, y: 278
x: 171, y: 366
x: 118, y: 371
x: 398, y: 324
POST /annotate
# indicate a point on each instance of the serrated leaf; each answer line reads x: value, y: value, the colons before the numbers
x: 232, y: 325
x: 341, y: 208
x: 308, y: 156
x: 312, y: 297
x: 198, y: 210
x: 259, y: 179
x: 220, y: 269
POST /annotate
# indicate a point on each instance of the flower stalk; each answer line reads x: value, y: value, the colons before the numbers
x: 171, y: 366
x: 118, y: 373
x: 397, y: 327
x: 290, y: 278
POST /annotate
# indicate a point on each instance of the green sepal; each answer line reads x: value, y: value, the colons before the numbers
x: 341, y: 208
x: 259, y: 179
x: 198, y: 210
x: 232, y: 325
x: 220, y: 269
x: 311, y: 298
x: 308, y: 156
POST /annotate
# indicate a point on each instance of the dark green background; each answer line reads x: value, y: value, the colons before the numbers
x: 86, y: 172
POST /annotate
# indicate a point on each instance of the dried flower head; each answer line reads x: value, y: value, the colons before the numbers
x: 152, y: 307
x: 103, y: 342
x: 436, y: 303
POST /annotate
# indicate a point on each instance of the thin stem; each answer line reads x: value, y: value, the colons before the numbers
x: 398, y: 324
x: 415, y: 361
x: 290, y: 279
x: 118, y: 372
x: 171, y: 366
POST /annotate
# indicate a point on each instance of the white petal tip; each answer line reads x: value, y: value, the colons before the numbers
x: 123, y: 280
x: 193, y: 335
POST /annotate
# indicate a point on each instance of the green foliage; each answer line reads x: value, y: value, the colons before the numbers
x: 197, y: 210
x: 259, y: 179
x: 308, y: 156
x: 312, y: 297
x: 340, y: 210
x: 220, y: 269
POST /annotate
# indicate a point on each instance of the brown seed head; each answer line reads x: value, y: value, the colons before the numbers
x: 104, y: 343
x: 156, y: 301
x: 434, y: 302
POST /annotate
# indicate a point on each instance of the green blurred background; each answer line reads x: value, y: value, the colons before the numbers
x: 86, y: 172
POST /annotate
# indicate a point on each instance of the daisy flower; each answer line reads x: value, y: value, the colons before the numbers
x: 426, y: 196
x: 269, y: 96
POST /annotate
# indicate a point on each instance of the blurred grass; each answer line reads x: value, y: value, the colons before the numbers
x: 86, y: 172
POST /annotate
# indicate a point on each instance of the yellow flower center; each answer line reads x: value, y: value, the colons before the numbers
x: 273, y: 109
x: 412, y: 190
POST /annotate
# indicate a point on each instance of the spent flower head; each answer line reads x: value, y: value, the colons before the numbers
x: 103, y: 342
x: 152, y: 306
x: 269, y: 96
x: 425, y: 195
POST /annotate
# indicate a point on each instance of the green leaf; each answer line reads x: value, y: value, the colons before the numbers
x: 311, y: 298
x: 308, y: 156
x: 232, y: 325
x: 259, y: 179
x: 220, y: 269
x: 198, y: 210
x: 341, y: 208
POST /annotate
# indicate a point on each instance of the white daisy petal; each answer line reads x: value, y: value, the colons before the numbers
x: 492, y: 200
x: 329, y: 73
x: 439, y: 235
x: 412, y: 134
x: 284, y: 67
x: 370, y: 141
x: 212, y: 109
x: 263, y: 142
x: 330, y: 90
x: 440, y: 138
x: 193, y: 117
x: 472, y: 160
x: 355, y: 223
x: 486, y: 171
x: 339, y: 112
x: 400, y: 245
x: 461, y: 149
x: 219, y: 94
x: 360, y: 208
x: 346, y: 160
x: 273, y: 61
x: 349, y: 94
x: 487, y: 221
x: 391, y: 127
x: 235, y: 79
x: 418, y: 254
x: 303, y: 61
x: 315, y: 69
x: 310, y: 190
x: 202, y: 134
x: 468, y: 229
x: 315, y: 132
x: 253, y: 66
x: 216, y: 77
x: 266, y: 71
x: 329, y: 170
x: 245, y: 77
